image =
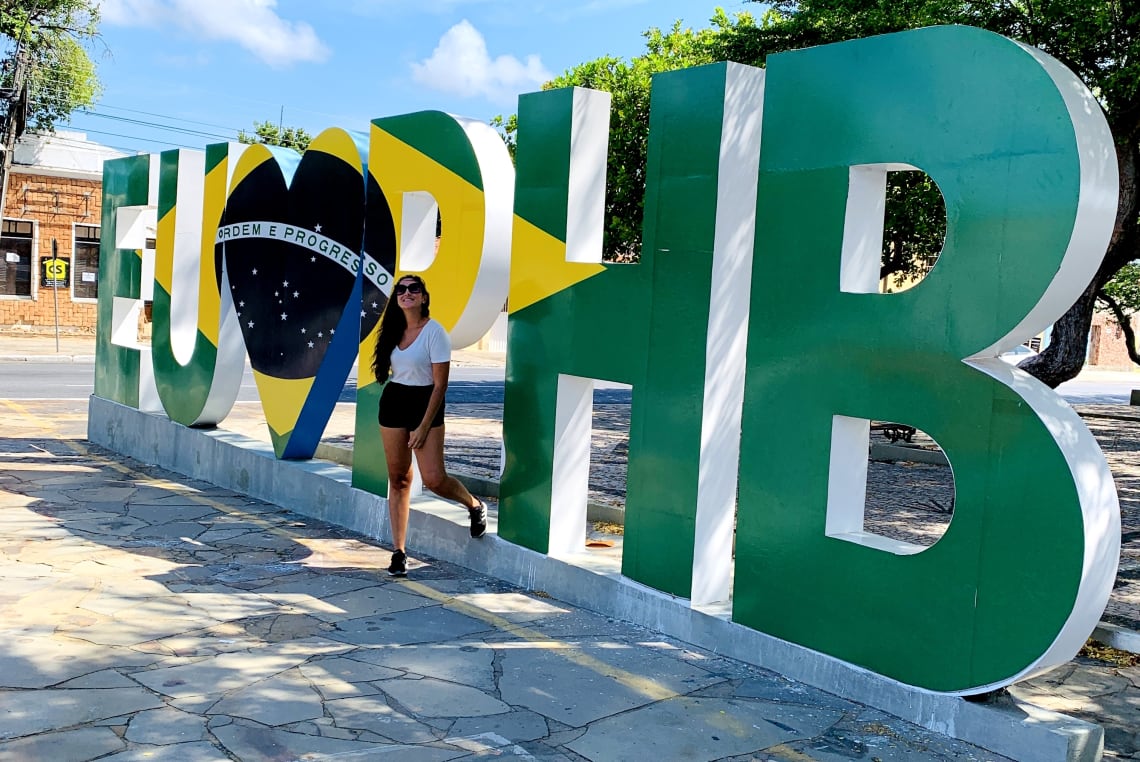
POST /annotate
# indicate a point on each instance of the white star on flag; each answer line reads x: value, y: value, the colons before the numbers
x: 284, y: 316
x: 250, y: 324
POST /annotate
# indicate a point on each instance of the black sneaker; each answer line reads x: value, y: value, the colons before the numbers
x: 399, y: 565
x: 478, y: 519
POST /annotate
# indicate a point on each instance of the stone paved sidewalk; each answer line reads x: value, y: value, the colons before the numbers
x: 147, y: 616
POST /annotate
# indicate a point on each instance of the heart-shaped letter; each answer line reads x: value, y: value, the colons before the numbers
x: 291, y: 238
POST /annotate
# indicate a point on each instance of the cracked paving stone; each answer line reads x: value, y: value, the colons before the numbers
x: 25, y: 713
x: 39, y: 663
x: 467, y: 663
x: 731, y: 727
x: 279, y: 700
x: 429, y: 624
x: 66, y: 746
x: 226, y: 672
x: 252, y: 743
x: 355, y: 604
x: 514, y: 726
x: 166, y: 726
x: 315, y: 586
x: 583, y: 682
x: 199, y: 751
x: 373, y: 713
x: 283, y: 627
x: 343, y: 677
x: 429, y: 697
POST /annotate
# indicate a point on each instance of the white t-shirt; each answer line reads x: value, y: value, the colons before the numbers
x: 412, y: 366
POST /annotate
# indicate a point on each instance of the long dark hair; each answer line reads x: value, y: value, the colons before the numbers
x: 392, y: 327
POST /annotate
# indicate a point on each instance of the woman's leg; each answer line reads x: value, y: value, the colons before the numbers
x: 435, y: 476
x: 399, y: 459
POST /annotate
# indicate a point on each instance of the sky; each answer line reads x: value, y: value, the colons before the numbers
x: 186, y: 73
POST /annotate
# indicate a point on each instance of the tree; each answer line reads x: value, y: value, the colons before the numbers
x: 46, y: 72
x: 1098, y: 39
x: 628, y: 83
x: 1121, y: 297
x: 277, y: 135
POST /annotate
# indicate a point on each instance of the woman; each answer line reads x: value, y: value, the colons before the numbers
x: 417, y: 352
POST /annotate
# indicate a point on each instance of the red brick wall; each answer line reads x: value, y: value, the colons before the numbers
x: 1107, y: 349
x: 54, y: 204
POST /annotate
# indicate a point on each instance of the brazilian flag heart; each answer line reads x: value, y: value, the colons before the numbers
x: 291, y: 237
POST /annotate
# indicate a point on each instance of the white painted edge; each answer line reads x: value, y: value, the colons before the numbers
x: 1096, y: 206
x: 847, y: 476
x: 586, y: 185
x: 492, y: 279
x: 418, y: 212
x: 186, y: 250
x: 727, y: 336
x: 573, y: 420
x: 847, y: 488
x: 1100, y: 513
x: 232, y: 357
x: 863, y: 223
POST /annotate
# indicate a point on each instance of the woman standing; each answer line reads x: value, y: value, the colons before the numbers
x: 416, y: 350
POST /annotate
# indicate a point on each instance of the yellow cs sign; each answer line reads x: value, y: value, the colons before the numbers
x: 55, y: 272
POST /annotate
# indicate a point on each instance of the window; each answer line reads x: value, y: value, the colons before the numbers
x: 85, y: 264
x: 16, y: 269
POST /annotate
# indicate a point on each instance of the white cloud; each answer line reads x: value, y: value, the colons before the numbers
x: 460, y: 64
x: 252, y: 24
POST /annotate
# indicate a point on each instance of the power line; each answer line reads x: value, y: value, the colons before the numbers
x: 171, y: 128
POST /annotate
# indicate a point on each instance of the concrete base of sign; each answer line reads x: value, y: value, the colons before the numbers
x: 323, y: 491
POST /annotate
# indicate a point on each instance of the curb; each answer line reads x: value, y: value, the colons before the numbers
x: 1117, y: 637
x: 323, y: 491
x: 477, y: 485
x: 52, y: 358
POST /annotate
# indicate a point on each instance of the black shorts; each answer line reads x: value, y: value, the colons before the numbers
x: 403, y: 407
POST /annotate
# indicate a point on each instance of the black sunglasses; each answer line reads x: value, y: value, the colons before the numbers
x: 411, y: 288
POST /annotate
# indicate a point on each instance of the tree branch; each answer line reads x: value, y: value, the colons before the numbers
x: 1125, y: 325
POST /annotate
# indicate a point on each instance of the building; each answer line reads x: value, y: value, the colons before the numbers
x: 54, y: 203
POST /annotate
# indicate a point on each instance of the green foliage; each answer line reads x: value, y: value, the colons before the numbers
x: 507, y: 127
x: 628, y: 83
x: 52, y: 36
x: 271, y: 134
x: 1124, y: 288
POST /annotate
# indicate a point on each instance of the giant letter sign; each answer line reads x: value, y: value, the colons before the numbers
x: 197, y: 351
x: 752, y: 331
x: 1025, y: 163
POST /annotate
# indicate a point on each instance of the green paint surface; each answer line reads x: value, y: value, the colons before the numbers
x: 125, y: 183
x: 438, y: 136
x: 369, y: 467
x: 183, y: 389
x: 641, y: 324
x: 990, y: 596
x: 546, y: 173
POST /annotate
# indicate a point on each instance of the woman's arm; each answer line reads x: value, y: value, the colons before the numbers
x: 439, y: 374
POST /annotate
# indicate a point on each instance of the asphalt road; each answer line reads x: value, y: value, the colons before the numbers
x: 74, y: 381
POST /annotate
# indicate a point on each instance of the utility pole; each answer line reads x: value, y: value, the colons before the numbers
x: 15, y: 121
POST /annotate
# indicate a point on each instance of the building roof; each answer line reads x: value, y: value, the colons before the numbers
x: 62, y: 154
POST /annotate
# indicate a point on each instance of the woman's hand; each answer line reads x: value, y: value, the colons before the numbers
x: 417, y: 437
